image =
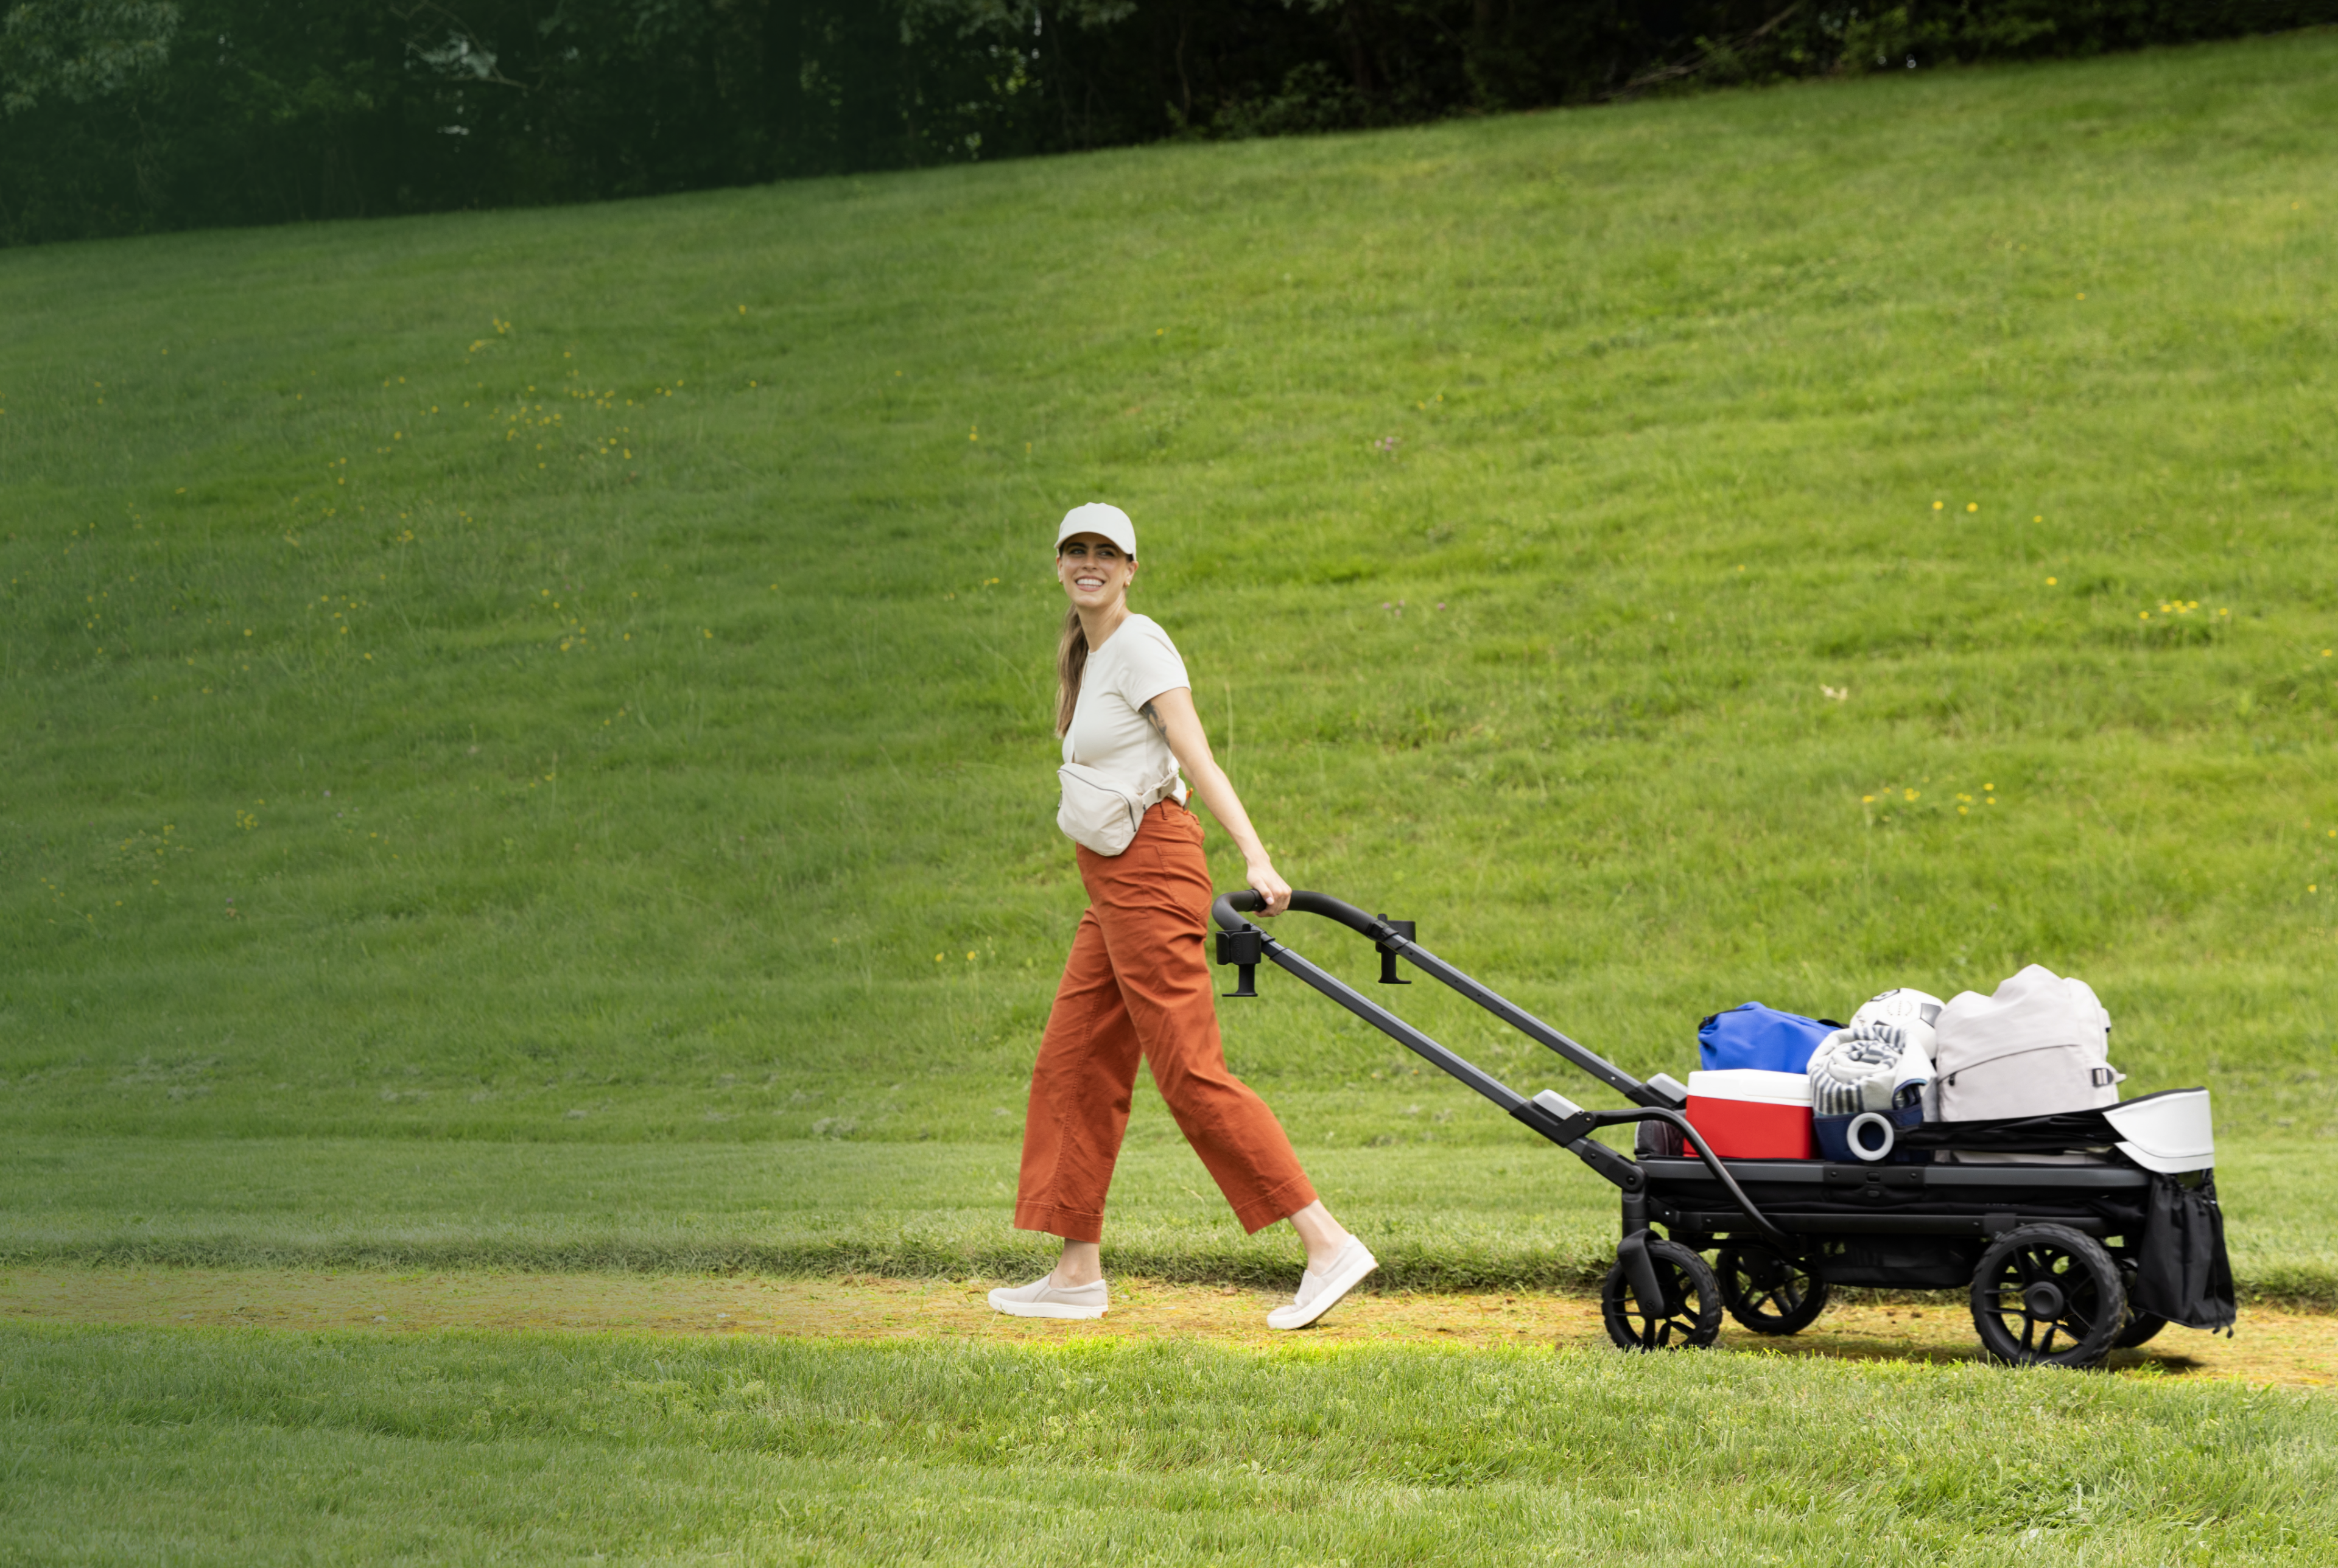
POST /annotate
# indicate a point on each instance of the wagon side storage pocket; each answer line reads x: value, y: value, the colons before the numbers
x: 2182, y: 1274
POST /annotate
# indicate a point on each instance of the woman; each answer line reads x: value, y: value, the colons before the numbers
x: 1137, y: 982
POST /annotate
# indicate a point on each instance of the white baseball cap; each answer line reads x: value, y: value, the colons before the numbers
x: 1100, y: 518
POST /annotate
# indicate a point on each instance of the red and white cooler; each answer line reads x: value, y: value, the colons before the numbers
x: 1743, y: 1114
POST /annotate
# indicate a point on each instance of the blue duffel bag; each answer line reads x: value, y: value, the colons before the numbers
x: 1762, y: 1038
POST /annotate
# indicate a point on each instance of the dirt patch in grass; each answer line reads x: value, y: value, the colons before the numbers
x: 2270, y: 1346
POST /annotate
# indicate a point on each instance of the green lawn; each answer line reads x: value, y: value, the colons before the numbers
x: 234, y: 1447
x: 675, y: 654
x: 580, y: 677
x: 1439, y: 1218
x: 523, y: 740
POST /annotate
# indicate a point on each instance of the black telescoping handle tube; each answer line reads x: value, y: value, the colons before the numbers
x: 1377, y: 1016
x: 1527, y: 1024
x: 1392, y: 941
x: 1228, y: 909
x: 1614, y: 1167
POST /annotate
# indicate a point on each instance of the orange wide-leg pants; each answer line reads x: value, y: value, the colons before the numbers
x: 1138, y: 983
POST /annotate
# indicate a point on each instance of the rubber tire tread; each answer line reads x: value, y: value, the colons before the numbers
x: 1703, y: 1324
x: 2110, y: 1314
x: 1725, y: 1268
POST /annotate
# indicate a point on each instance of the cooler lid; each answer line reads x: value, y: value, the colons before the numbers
x: 1751, y: 1084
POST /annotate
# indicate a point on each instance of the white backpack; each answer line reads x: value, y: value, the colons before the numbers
x: 2041, y: 1044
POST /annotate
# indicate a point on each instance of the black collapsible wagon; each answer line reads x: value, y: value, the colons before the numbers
x: 2074, y: 1233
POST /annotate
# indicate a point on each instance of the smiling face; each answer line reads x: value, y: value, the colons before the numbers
x: 1094, y: 571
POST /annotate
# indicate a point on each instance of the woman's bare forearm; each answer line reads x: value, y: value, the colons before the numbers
x: 1217, y: 792
x: 1180, y: 726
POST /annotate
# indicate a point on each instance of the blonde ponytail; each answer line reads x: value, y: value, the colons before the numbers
x: 1071, y: 662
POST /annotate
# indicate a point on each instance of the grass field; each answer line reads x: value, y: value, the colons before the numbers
x: 1439, y: 1219
x: 659, y: 593
x: 523, y: 743
x: 2283, y: 1348
x: 236, y: 1446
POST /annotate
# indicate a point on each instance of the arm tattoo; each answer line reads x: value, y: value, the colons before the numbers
x: 1154, y: 718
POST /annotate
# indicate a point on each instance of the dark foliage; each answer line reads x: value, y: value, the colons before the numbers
x: 120, y: 116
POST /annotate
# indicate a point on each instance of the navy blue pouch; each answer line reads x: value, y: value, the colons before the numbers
x: 1832, y: 1135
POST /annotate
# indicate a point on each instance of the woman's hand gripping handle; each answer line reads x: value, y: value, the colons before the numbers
x: 1272, y: 893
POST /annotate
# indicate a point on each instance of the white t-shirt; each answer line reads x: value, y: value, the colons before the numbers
x: 1136, y: 664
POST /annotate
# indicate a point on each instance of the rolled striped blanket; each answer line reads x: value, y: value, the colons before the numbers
x: 1871, y: 1066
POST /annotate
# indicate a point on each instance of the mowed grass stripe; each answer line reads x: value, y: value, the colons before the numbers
x: 1438, y: 1218
x: 464, y: 1448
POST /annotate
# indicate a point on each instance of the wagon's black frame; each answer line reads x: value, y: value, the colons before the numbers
x: 2058, y: 1240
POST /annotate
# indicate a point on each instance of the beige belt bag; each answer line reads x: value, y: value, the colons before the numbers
x: 1102, y: 814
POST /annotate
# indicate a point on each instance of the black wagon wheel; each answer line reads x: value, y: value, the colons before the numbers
x: 1688, y: 1315
x: 1767, y: 1293
x: 2046, y: 1296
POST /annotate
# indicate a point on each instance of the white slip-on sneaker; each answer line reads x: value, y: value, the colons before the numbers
x: 1319, y: 1293
x: 1043, y: 1298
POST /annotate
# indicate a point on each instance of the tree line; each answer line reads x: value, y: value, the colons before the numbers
x: 122, y: 116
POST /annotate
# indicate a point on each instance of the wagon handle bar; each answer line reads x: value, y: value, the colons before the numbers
x: 1228, y: 909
